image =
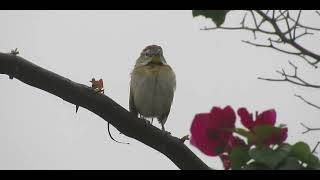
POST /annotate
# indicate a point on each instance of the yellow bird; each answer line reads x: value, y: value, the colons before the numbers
x: 152, y: 85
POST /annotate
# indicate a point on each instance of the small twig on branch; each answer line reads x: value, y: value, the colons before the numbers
x: 288, y: 36
x: 294, y: 79
x: 270, y: 45
x: 285, y: 17
x: 295, y: 25
x: 308, y: 129
x: 14, y: 52
x: 303, y: 34
x: 239, y: 28
x: 184, y: 138
x: 303, y: 99
x: 289, y: 40
x: 120, y: 142
x: 243, y: 20
x: 315, y: 148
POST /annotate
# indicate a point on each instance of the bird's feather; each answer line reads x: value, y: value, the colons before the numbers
x: 131, y: 104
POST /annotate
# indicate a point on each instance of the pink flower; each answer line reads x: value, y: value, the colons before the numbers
x: 233, y: 142
x: 278, y: 138
x: 265, y: 118
x: 210, y: 132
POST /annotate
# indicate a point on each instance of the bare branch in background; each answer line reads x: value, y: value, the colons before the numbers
x: 294, y: 79
x: 315, y: 148
x: 308, y: 129
x: 285, y: 37
x: 308, y: 102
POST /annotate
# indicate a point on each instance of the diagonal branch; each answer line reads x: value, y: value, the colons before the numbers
x: 306, y: 101
x: 102, y: 106
x: 315, y: 147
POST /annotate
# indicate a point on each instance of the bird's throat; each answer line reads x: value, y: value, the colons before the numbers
x: 156, y: 60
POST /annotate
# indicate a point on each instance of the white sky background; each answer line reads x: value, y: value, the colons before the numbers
x: 213, y: 68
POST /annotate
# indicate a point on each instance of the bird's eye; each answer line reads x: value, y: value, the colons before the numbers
x: 148, y: 54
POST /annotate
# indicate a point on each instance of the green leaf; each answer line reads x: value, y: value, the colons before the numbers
x: 217, y: 16
x: 239, y: 157
x: 314, y: 166
x: 302, y: 151
x: 265, y: 131
x: 270, y: 158
x: 282, y: 125
x: 290, y: 163
x: 255, y: 166
x: 249, y: 135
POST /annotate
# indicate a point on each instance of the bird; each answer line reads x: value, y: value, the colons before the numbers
x: 152, y: 86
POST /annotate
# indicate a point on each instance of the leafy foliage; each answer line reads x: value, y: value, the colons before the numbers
x: 217, y: 16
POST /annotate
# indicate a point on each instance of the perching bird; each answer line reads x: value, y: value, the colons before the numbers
x: 152, y: 85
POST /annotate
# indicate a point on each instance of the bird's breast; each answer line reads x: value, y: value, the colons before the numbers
x: 153, y: 89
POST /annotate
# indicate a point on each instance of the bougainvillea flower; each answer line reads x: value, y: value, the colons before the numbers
x: 210, y: 132
x: 277, y: 138
x: 265, y: 118
x: 225, y: 161
x: 233, y: 142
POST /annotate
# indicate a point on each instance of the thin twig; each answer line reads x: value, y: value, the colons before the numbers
x: 315, y: 148
x: 308, y: 129
x: 287, y: 23
x: 239, y: 28
x: 270, y: 45
x: 298, y: 24
x: 113, y: 138
x: 294, y: 79
x: 303, y: 34
x: 295, y: 25
x: 308, y: 102
x: 290, y: 41
x: 243, y: 20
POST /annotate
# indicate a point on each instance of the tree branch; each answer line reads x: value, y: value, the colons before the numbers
x: 294, y: 79
x: 288, y: 36
x: 308, y: 129
x: 315, y: 147
x: 289, y: 40
x: 303, y: 99
x: 102, y: 106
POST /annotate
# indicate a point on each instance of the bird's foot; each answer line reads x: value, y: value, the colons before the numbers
x: 145, y: 120
x: 164, y: 130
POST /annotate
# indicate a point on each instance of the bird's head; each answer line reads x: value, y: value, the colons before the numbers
x: 151, y: 54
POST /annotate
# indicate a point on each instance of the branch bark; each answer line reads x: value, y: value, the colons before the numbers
x: 103, y: 106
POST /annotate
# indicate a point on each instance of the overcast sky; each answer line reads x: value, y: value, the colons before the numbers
x: 213, y: 68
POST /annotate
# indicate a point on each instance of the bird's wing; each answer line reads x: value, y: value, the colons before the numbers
x: 131, y: 104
